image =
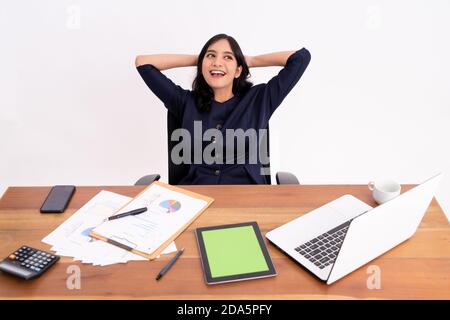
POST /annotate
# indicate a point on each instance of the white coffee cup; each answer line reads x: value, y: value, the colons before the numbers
x: 384, y: 190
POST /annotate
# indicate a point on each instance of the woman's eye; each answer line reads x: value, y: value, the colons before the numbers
x: 228, y: 57
x: 210, y: 55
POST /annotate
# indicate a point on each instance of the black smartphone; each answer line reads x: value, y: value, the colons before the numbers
x: 57, y: 199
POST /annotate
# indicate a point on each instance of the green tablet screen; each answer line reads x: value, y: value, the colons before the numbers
x: 233, y: 251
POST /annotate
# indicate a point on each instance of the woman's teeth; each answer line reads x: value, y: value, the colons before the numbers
x: 217, y: 73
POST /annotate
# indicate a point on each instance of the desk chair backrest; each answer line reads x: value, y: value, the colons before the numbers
x: 178, y: 172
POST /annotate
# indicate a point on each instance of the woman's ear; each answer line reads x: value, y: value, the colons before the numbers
x: 238, y: 72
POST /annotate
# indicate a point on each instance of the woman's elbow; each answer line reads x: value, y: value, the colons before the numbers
x: 306, y: 55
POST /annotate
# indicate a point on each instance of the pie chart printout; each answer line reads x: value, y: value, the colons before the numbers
x: 170, y: 205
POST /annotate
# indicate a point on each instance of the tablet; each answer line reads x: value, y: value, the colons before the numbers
x: 233, y: 252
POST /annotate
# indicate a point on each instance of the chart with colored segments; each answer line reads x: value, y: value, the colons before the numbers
x: 170, y: 205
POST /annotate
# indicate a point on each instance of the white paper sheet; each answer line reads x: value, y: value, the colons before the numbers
x: 72, y: 238
x: 168, y: 211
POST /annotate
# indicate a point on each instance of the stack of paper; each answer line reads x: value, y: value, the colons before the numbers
x: 72, y: 238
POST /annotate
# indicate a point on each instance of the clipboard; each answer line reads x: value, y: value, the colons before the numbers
x: 170, y: 211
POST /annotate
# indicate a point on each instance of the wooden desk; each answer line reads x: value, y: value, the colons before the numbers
x: 417, y: 269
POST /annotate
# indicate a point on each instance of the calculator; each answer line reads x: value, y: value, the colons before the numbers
x: 28, y: 263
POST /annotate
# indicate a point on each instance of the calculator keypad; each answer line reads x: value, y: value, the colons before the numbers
x: 27, y: 262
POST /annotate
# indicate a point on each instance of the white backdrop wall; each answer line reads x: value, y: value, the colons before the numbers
x: 374, y: 102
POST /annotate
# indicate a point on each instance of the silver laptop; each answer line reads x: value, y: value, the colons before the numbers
x: 343, y: 235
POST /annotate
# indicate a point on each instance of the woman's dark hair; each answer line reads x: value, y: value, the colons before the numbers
x: 203, y: 93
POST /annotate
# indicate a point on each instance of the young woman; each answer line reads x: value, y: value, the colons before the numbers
x: 223, y: 98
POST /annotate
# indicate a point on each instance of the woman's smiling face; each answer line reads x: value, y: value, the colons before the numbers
x: 219, y: 66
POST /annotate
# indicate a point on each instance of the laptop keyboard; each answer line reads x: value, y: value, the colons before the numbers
x: 323, y: 250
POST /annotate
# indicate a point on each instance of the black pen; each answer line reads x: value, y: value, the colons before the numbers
x: 126, y: 214
x: 171, y: 262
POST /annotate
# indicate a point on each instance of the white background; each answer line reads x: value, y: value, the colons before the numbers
x: 374, y: 101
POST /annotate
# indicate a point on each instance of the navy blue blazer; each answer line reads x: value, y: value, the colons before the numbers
x: 249, y: 111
